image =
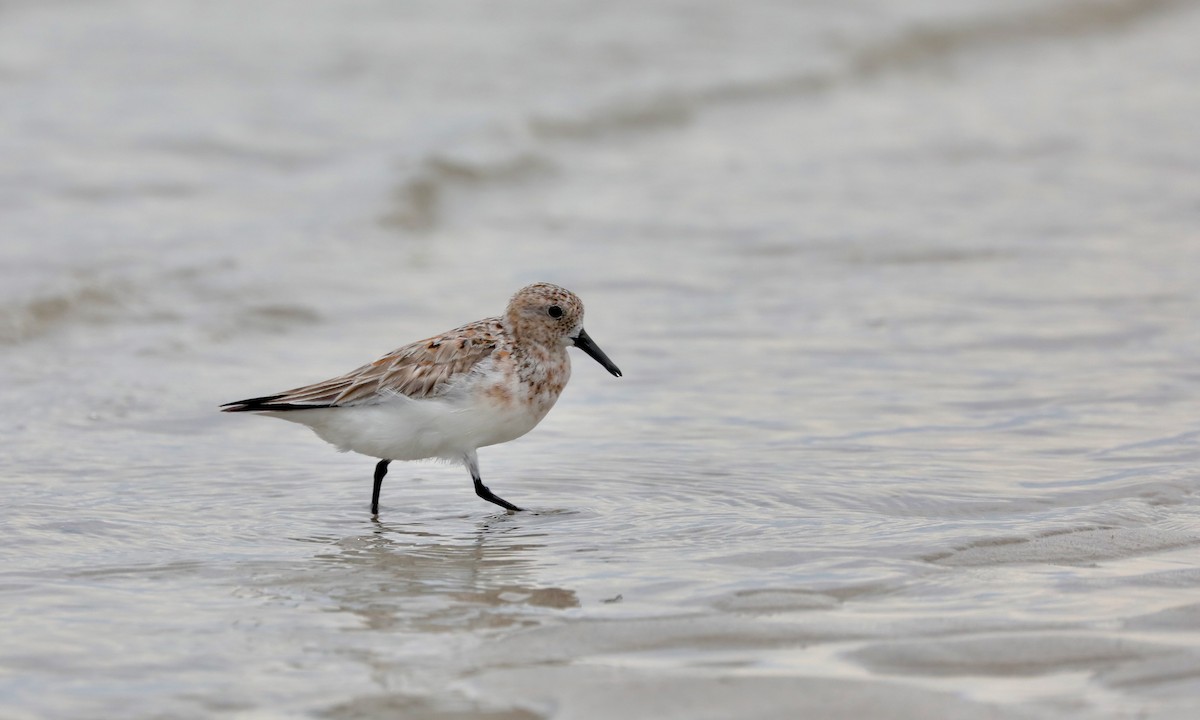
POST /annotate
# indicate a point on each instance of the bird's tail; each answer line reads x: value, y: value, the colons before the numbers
x: 267, y: 403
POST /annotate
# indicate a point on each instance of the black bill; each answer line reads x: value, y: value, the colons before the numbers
x: 584, y: 343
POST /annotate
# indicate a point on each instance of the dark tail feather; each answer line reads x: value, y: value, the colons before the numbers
x: 266, y: 403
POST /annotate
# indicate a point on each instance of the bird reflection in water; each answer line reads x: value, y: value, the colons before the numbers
x: 402, y: 574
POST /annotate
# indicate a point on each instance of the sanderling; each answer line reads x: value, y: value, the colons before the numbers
x: 484, y: 383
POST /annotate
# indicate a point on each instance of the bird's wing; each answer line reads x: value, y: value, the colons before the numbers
x: 422, y: 369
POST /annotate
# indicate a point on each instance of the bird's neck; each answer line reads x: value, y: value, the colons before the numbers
x: 544, y: 369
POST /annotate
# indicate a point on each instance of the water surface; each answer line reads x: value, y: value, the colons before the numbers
x: 905, y: 295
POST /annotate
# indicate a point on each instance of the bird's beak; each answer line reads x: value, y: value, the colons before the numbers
x: 584, y: 343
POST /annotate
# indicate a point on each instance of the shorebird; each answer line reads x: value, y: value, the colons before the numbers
x: 445, y: 397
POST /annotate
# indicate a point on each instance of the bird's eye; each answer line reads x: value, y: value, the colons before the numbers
x: 555, y: 311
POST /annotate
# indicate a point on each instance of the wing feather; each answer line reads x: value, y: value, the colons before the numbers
x: 422, y: 369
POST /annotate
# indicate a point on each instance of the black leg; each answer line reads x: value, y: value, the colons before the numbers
x: 380, y: 471
x: 482, y: 490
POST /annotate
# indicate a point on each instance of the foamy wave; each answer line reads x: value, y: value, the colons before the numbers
x: 418, y: 199
x: 83, y: 298
x: 420, y: 196
x: 915, y: 46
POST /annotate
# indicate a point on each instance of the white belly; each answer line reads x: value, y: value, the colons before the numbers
x: 401, y: 428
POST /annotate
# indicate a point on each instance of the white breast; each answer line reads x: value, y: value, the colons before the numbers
x: 400, y: 428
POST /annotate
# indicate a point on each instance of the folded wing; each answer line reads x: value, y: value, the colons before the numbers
x: 423, y: 369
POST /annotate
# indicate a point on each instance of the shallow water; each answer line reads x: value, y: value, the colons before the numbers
x: 905, y: 295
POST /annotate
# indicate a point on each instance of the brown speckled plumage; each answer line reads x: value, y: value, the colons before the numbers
x: 420, y: 370
x: 483, y: 383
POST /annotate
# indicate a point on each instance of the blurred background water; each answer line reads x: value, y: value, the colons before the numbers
x: 905, y: 294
